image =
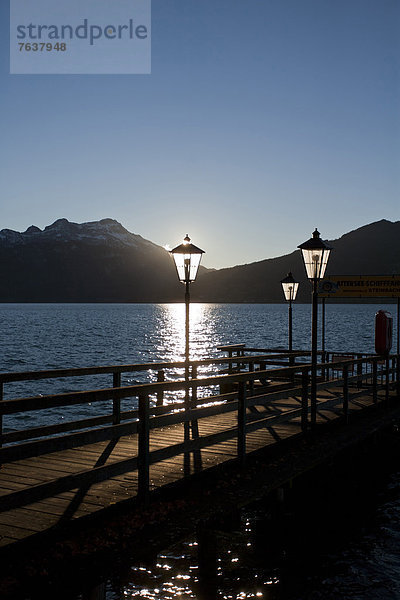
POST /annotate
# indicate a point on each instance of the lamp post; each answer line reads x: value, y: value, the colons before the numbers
x: 315, y: 256
x: 290, y: 287
x: 187, y: 259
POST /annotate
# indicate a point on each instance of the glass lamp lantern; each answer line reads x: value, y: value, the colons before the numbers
x: 290, y: 287
x: 315, y: 256
x: 187, y: 259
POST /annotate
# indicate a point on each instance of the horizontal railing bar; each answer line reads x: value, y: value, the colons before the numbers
x: 35, y: 432
x: 279, y: 351
x: 79, y: 372
x: 109, y: 369
x: 73, y: 398
x: 46, y: 430
x: 359, y: 354
x: 8, y: 407
x: 65, y: 442
x: 240, y: 346
x: 65, y: 484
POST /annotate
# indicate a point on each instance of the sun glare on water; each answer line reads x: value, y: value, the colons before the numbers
x: 171, y: 334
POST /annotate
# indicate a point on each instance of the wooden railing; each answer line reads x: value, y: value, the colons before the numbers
x: 163, y: 370
x: 363, y: 375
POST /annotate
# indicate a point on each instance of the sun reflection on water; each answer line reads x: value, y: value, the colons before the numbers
x: 176, y: 573
x: 168, y: 340
x: 170, y: 335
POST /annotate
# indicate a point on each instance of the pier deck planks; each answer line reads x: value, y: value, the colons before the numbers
x: 21, y: 523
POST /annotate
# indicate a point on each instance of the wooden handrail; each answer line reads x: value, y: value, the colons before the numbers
x: 9, y: 377
x: 147, y: 418
x: 17, y: 405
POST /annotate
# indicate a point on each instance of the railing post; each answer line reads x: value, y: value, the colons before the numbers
x: 251, y: 383
x: 359, y: 373
x: 194, y: 388
x: 1, y: 416
x: 240, y: 353
x: 324, y: 369
x: 346, y: 393
x: 160, y: 394
x: 195, y: 424
x: 143, y: 448
x: 304, y: 400
x: 375, y: 381
x: 241, y: 441
x: 292, y: 363
x: 116, y: 401
x: 387, y: 373
x: 186, y: 422
x: 327, y: 368
x: 230, y: 363
x: 398, y: 374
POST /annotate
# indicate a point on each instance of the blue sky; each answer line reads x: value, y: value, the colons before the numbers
x: 261, y: 120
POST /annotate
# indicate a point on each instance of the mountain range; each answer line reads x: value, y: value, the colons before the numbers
x: 101, y: 261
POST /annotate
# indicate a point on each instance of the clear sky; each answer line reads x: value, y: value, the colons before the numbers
x: 261, y: 120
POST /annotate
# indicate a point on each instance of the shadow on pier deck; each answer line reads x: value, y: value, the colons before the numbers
x: 208, y: 451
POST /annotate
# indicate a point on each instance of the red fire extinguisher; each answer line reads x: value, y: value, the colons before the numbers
x: 383, y: 332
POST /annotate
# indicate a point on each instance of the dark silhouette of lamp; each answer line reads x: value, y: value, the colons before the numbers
x: 290, y: 287
x: 187, y: 259
x: 315, y: 256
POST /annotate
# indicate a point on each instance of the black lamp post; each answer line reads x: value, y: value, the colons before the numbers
x: 187, y: 259
x: 290, y: 287
x: 315, y: 256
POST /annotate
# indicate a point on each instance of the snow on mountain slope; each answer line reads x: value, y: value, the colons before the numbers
x: 106, y: 231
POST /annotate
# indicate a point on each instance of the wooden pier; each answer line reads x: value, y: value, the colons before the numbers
x: 66, y: 474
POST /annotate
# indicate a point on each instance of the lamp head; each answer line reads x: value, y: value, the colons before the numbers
x: 290, y: 287
x: 187, y: 259
x: 315, y: 256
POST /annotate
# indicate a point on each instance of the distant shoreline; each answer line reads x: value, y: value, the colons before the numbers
x: 122, y: 302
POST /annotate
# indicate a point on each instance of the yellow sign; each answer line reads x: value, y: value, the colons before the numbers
x: 362, y: 286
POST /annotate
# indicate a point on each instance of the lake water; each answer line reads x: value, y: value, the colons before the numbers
x: 363, y: 565
x: 50, y: 336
